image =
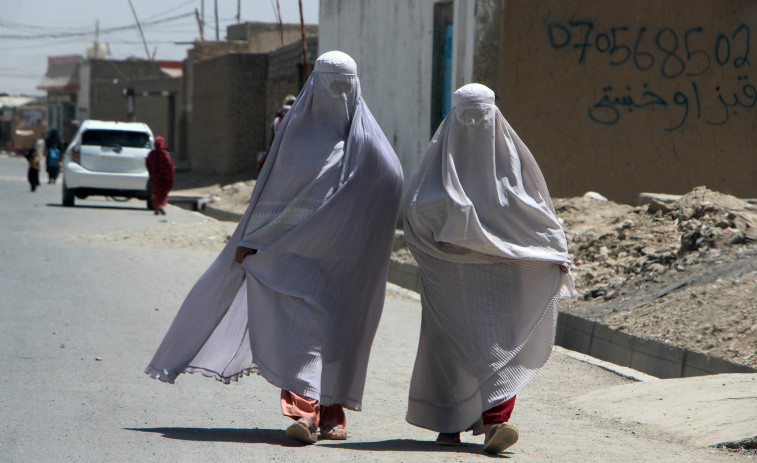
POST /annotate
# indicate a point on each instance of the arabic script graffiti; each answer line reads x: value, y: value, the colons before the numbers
x: 608, y: 109
x: 678, y: 57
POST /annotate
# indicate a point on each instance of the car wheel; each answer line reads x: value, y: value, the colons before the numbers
x: 68, y: 196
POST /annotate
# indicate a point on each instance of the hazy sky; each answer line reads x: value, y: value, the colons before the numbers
x: 32, y: 30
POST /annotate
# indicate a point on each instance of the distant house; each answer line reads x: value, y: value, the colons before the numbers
x: 232, y: 90
x: 214, y: 108
x: 23, y: 119
x: 61, y: 82
x: 81, y: 88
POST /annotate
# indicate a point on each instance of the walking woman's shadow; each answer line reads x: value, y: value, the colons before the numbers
x: 410, y: 445
x: 277, y: 437
x: 244, y: 436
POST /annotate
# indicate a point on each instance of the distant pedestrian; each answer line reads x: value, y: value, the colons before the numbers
x: 493, y: 263
x: 32, y: 174
x: 297, y: 293
x: 280, y: 113
x: 161, y: 169
x: 280, y: 117
x: 52, y: 163
x: 53, y: 139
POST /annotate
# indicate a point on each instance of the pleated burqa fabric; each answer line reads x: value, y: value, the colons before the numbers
x: 304, y: 310
x: 481, y: 224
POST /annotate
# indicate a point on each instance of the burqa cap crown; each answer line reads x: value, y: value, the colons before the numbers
x: 336, y: 61
x: 473, y: 93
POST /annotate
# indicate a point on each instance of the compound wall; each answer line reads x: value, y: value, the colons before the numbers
x: 392, y: 45
x: 622, y: 97
x: 228, y: 125
x: 619, y: 97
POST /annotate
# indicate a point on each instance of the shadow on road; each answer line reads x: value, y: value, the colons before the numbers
x: 410, y: 445
x: 277, y: 437
x: 246, y: 436
x: 97, y: 206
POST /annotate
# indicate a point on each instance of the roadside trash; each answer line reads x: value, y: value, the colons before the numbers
x: 594, y: 293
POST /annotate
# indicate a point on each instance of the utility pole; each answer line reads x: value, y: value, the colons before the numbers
x: 239, y: 11
x: 305, y: 71
x: 281, y: 25
x: 216, y: 6
x: 199, y: 25
x: 139, y: 27
x: 202, y: 16
x: 97, y: 38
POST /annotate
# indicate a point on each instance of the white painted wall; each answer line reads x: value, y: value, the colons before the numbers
x: 391, y: 41
x: 82, y: 98
x: 463, y: 40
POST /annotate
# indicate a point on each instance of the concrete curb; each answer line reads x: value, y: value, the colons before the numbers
x: 646, y: 355
x: 188, y: 202
x: 219, y: 214
x: 202, y: 204
x: 592, y: 338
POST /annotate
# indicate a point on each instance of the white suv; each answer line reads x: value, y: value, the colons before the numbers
x: 107, y: 158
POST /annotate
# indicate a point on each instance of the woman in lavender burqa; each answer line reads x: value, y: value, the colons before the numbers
x: 493, y: 263
x: 297, y: 293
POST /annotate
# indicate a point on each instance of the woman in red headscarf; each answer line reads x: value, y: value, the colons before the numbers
x: 161, y: 170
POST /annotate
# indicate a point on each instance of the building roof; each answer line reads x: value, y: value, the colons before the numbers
x: 62, y: 73
x: 171, y: 68
x: 12, y: 101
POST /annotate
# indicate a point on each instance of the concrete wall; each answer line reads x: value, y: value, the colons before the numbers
x: 265, y: 37
x: 285, y: 75
x: 102, y: 95
x: 392, y: 45
x: 230, y: 97
x: 82, y: 103
x: 618, y: 97
x: 228, y: 125
x: 201, y: 50
x: 627, y: 96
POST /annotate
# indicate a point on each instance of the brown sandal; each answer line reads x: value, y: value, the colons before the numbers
x: 333, y: 432
x: 303, y: 431
x: 499, y: 437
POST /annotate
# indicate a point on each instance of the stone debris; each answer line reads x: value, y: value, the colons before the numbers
x: 610, y: 241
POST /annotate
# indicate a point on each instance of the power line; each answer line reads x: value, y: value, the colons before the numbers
x: 170, y: 10
x: 59, y: 35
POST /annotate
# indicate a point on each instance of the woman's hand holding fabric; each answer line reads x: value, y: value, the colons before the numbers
x: 243, y: 252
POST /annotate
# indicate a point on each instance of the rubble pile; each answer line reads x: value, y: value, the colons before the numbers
x: 610, y: 242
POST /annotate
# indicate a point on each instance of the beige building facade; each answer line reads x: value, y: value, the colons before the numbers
x: 618, y: 97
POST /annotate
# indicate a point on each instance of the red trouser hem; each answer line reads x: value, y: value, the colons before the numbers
x: 296, y: 406
x: 499, y: 413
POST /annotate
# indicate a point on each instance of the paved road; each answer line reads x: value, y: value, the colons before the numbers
x: 81, y: 317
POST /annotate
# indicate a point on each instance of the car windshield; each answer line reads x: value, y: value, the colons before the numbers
x: 125, y: 138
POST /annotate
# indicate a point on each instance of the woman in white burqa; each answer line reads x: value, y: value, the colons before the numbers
x: 297, y: 293
x: 493, y: 262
